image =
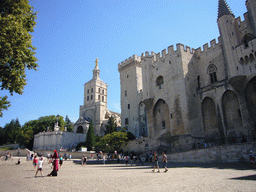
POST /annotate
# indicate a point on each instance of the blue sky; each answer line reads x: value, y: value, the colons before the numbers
x: 71, y: 34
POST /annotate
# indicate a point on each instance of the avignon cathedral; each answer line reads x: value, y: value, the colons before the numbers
x: 188, y: 97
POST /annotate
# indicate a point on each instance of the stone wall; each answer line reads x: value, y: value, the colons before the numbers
x: 218, y: 154
x: 57, y: 140
x: 74, y: 155
x: 225, y: 153
x: 16, y: 152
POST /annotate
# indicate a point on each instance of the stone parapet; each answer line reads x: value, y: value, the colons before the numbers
x: 221, y: 154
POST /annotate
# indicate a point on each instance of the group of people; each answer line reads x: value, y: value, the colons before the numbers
x: 55, y: 161
x: 156, y: 165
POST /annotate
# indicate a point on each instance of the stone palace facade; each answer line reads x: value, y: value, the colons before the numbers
x: 186, y: 97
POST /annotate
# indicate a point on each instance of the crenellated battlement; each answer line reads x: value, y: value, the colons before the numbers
x: 168, y: 52
x: 206, y: 48
x: 128, y: 61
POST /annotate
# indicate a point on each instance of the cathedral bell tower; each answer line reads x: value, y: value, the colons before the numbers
x: 95, y: 100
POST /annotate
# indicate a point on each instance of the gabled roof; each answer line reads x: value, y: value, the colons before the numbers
x: 224, y: 9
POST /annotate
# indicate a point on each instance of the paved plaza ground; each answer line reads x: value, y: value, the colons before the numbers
x: 117, y: 177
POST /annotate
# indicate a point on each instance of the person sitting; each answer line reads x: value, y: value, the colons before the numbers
x: 19, y: 161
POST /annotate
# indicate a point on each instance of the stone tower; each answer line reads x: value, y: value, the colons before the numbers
x: 131, y: 84
x: 229, y: 34
x: 251, y: 7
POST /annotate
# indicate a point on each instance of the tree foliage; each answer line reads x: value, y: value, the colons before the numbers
x: 112, y: 142
x: 111, y: 125
x: 4, y: 104
x: 68, y: 124
x: 17, y: 21
x: 11, y: 131
x: 90, y: 138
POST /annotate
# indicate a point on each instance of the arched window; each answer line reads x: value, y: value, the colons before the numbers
x: 248, y: 37
x: 246, y: 59
x: 159, y: 81
x: 251, y: 57
x: 80, y: 129
x: 212, y: 69
x: 242, y: 60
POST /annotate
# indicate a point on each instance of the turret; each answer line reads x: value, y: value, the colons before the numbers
x: 251, y: 7
x: 229, y: 36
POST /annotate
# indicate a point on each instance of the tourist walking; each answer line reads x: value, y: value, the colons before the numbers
x: 35, y: 161
x: 55, y: 163
x: 156, y: 162
x: 104, y: 159
x: 131, y: 158
x: 82, y: 160
x: 165, y: 162
x: 85, y: 160
x: 40, y: 166
x: 61, y: 161
x: 126, y: 160
x: 252, y: 159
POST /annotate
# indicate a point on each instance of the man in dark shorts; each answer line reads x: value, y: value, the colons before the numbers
x: 165, y: 162
x: 155, y: 158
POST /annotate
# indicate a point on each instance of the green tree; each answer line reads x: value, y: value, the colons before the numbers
x: 112, y: 142
x: 90, y: 137
x: 11, y: 131
x: 2, y: 136
x: 17, y: 21
x: 68, y: 124
x: 26, y: 137
x: 30, y: 128
x: 111, y: 125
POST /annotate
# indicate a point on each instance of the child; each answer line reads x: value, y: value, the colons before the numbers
x: 165, y: 162
x: 40, y: 167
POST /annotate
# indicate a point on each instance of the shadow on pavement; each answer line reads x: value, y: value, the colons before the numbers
x: 112, y: 163
x: 249, y: 177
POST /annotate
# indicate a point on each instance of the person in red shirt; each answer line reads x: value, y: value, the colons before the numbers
x: 35, y: 161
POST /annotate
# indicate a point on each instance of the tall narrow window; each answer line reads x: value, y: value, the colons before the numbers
x: 87, y: 91
x: 103, y: 91
x: 212, y: 69
x: 98, y: 97
x: 91, y: 90
x: 88, y: 98
x: 102, y: 98
x: 128, y: 106
x: 159, y: 82
x: 126, y: 121
x: 198, y: 81
x: 91, y: 97
x: 125, y: 93
x: 163, y: 124
x: 99, y: 90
